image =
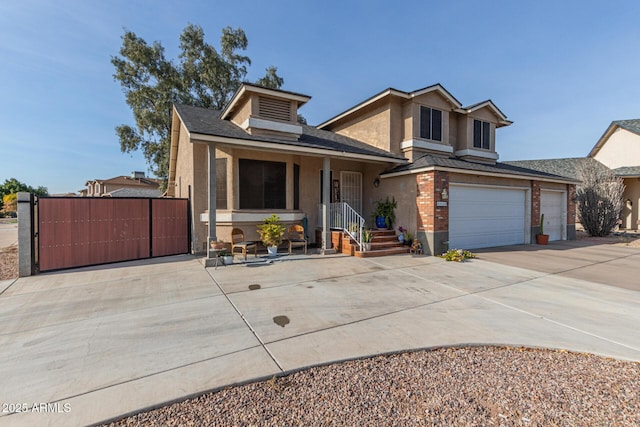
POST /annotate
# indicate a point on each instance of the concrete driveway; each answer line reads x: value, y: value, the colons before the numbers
x: 100, y: 342
x: 8, y: 233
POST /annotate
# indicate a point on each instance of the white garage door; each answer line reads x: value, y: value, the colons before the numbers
x: 551, y: 207
x: 482, y: 217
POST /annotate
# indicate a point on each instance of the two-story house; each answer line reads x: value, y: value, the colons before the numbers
x: 135, y: 185
x: 436, y: 157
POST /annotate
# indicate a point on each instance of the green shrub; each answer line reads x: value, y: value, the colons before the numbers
x: 458, y: 255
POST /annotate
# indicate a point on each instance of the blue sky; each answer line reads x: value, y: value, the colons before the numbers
x: 560, y: 70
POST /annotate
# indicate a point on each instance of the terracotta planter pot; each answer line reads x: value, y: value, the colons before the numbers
x: 542, y: 239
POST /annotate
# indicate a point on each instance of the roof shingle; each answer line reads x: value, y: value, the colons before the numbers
x: 207, y: 122
x: 455, y: 163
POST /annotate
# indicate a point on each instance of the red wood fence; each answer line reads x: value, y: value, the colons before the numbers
x: 81, y: 231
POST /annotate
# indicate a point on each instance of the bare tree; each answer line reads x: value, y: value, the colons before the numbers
x: 598, y: 198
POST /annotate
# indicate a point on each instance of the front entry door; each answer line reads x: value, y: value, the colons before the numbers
x: 351, y: 189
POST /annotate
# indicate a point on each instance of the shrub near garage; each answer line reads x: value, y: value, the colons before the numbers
x: 458, y: 255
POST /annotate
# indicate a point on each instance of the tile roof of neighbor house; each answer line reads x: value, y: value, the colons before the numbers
x: 627, y: 171
x: 134, y: 192
x: 206, y: 121
x: 505, y: 168
x: 563, y: 167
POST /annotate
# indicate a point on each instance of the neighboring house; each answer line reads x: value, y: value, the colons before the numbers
x: 435, y: 156
x: 134, y: 192
x: 136, y: 185
x: 617, y: 149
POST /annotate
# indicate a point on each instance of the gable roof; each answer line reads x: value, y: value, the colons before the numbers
x: 250, y: 87
x: 632, y: 125
x: 129, y: 182
x: 505, y: 170
x: 394, y: 92
x: 563, y: 167
x: 488, y: 104
x: 206, y: 122
x: 628, y: 172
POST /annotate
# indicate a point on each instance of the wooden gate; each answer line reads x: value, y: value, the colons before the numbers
x: 81, y: 231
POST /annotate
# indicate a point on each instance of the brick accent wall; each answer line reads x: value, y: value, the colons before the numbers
x: 432, y: 218
x: 535, y: 203
x: 571, y: 204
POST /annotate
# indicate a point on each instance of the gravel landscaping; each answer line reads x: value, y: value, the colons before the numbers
x: 9, y: 263
x: 487, y: 386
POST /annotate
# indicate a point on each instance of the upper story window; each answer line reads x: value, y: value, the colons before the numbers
x: 481, y: 134
x: 97, y: 189
x: 430, y: 124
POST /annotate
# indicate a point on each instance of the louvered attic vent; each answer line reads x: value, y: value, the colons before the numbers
x: 274, y: 109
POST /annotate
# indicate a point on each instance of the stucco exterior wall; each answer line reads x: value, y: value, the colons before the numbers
x: 631, y: 207
x: 371, y: 125
x: 242, y: 112
x: 621, y: 149
x: 402, y: 188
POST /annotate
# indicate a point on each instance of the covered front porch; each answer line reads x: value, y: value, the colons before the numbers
x: 322, y: 193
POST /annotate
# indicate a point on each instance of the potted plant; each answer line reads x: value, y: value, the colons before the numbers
x: 401, y: 236
x: 271, y: 233
x: 408, y: 238
x: 542, y: 238
x: 384, y: 213
x: 227, y: 257
x: 217, y: 244
x: 367, y: 237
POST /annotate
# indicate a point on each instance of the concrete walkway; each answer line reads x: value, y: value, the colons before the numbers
x: 101, y: 342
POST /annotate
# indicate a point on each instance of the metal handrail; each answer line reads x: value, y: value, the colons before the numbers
x: 343, y: 217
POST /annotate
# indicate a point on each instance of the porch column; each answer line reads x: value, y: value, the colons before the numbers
x: 326, y: 199
x: 211, y: 149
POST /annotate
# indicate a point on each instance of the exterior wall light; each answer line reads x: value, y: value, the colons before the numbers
x: 445, y: 195
x: 376, y: 182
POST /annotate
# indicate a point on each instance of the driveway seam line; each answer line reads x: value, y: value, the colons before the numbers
x: 557, y: 322
x: 10, y: 285
x: 477, y: 295
x: 246, y: 322
x: 108, y: 315
x: 164, y: 371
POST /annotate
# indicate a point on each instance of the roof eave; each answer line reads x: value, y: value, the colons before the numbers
x: 176, y: 122
x: 477, y: 172
x: 274, y: 146
x: 244, y: 87
x: 366, y: 102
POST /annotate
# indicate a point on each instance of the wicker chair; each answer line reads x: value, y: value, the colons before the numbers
x: 296, y: 238
x: 237, y: 241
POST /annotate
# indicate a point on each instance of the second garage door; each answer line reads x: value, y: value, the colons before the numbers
x: 482, y: 217
x: 551, y: 206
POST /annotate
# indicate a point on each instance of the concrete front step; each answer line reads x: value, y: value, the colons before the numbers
x: 383, y: 252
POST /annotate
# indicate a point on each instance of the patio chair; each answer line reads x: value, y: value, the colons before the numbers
x: 237, y: 241
x: 296, y: 238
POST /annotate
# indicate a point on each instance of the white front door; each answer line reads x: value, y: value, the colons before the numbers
x: 351, y: 189
x: 551, y: 206
x: 482, y: 217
